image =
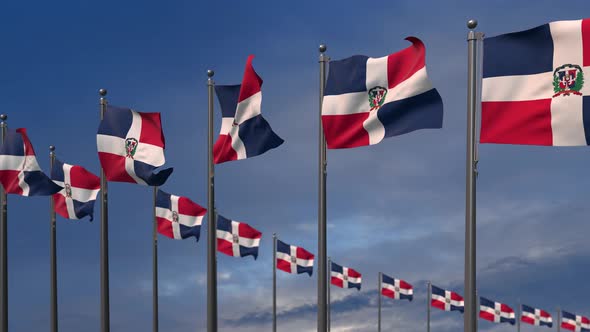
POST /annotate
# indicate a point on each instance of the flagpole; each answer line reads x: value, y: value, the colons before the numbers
x: 52, y: 250
x: 155, y: 267
x: 470, y: 317
x: 211, y: 220
x: 558, y: 319
x: 519, y: 312
x: 3, y: 245
x: 379, y: 301
x: 428, y: 300
x: 274, y: 282
x: 105, y: 321
x: 328, y: 300
x: 323, y: 285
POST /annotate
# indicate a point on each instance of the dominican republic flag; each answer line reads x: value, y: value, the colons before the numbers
x: 496, y: 312
x: 131, y: 147
x: 368, y: 99
x: 574, y: 322
x: 396, y: 288
x: 535, y: 316
x: 294, y: 259
x: 244, y: 132
x: 178, y: 217
x: 533, y: 86
x: 345, y: 277
x: 236, y: 238
x: 446, y: 300
x: 80, y: 187
x: 20, y: 173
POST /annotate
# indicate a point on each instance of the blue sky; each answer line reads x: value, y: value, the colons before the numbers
x: 397, y: 207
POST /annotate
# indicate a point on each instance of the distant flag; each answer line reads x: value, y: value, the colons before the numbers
x: 535, y: 316
x: 20, y: 173
x: 80, y: 188
x: 178, y: 217
x: 294, y: 259
x: 131, y: 147
x: 396, y: 289
x: 345, y: 277
x: 244, y: 132
x: 575, y: 323
x: 533, y: 88
x: 369, y: 99
x: 236, y: 238
x: 495, y: 311
x: 446, y: 300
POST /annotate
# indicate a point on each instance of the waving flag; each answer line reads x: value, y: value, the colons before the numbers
x: 495, y: 311
x: 80, y: 187
x: 178, y: 217
x: 446, y: 300
x: 533, y: 86
x: 244, y: 132
x: 369, y: 99
x: 396, y: 289
x: 535, y: 316
x: 20, y: 173
x: 131, y: 147
x: 236, y: 238
x: 344, y: 277
x: 294, y: 259
x: 575, y: 323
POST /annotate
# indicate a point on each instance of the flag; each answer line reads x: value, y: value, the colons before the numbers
x: 535, y: 316
x: 575, y: 323
x: 446, y: 300
x: 344, y: 277
x: 294, y: 259
x: 178, y: 217
x: 131, y: 147
x: 236, y: 238
x: 244, y: 132
x: 20, y: 173
x: 396, y: 288
x: 369, y: 99
x: 533, y: 88
x: 495, y: 311
x: 80, y: 188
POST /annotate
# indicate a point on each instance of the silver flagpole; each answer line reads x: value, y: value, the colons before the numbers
x: 105, y: 320
x: 519, y: 313
x: 211, y: 218
x: 328, y: 293
x: 155, y: 267
x: 274, y: 282
x: 428, y: 300
x: 379, y: 301
x: 470, y: 317
x: 3, y: 245
x: 52, y: 251
x: 558, y: 319
x: 322, y: 229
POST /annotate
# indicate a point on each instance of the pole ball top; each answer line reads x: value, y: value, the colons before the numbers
x: 51, y: 148
x: 323, y: 48
x: 472, y: 24
x: 210, y: 73
x: 3, y: 117
x: 102, y: 92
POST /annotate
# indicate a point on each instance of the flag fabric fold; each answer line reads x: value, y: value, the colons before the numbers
x: 345, y: 277
x: 131, y: 147
x: 369, y: 99
x: 80, y: 188
x: 20, y: 173
x: 293, y: 259
x: 496, y: 312
x: 446, y: 300
x: 533, y: 89
x: 535, y: 316
x: 574, y: 322
x: 178, y: 217
x: 237, y: 239
x: 244, y: 132
x: 396, y: 288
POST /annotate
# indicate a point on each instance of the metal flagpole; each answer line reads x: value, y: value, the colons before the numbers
x: 52, y: 250
x: 155, y: 268
x: 105, y: 321
x: 558, y: 319
x: 379, y: 301
x: 322, y: 230
x: 328, y: 293
x: 274, y: 282
x: 211, y: 219
x: 519, y: 313
x: 428, y: 300
x: 470, y: 317
x: 3, y: 245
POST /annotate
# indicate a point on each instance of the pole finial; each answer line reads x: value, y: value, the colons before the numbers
x: 210, y: 73
x: 323, y: 48
x: 3, y: 117
x: 102, y: 92
x: 472, y: 24
x: 51, y: 148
